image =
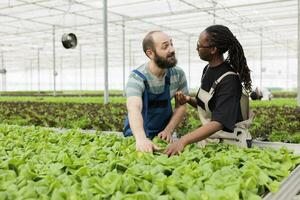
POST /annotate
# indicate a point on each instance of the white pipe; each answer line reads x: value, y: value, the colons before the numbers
x: 261, y: 55
x: 39, y: 70
x: 105, y: 48
x: 298, y: 97
x: 54, y: 62
x: 80, y: 68
x: 123, y: 55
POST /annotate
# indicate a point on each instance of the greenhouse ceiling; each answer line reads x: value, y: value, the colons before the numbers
x: 27, y: 25
x: 267, y: 29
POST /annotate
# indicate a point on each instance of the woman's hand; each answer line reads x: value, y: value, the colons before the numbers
x: 175, y: 148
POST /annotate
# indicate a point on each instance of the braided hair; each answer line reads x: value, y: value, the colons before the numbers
x: 222, y: 38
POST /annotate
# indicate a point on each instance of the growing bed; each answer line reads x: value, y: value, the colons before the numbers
x: 39, y: 163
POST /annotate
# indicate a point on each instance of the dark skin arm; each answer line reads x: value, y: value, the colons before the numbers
x: 199, y: 134
x: 183, y: 99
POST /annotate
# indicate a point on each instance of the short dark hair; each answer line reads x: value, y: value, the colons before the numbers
x: 148, y: 42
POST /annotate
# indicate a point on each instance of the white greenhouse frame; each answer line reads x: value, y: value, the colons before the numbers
x: 110, y: 33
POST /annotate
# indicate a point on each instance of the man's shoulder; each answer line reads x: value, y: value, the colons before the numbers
x: 136, y: 76
x: 142, y: 68
x: 178, y: 71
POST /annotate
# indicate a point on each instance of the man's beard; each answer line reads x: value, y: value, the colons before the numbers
x: 165, y: 63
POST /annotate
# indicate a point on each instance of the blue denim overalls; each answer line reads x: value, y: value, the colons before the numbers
x: 157, y: 109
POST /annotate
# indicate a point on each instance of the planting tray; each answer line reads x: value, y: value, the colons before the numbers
x: 277, y: 145
x: 290, y: 187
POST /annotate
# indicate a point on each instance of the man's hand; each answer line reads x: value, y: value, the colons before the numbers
x: 182, y: 98
x: 165, y: 135
x: 175, y: 148
x: 145, y: 145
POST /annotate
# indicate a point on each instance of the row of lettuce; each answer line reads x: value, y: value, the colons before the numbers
x: 36, y: 163
x: 271, y: 122
x: 100, y: 100
x: 277, y: 93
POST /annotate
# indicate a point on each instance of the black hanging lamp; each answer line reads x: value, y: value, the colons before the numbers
x: 69, y: 40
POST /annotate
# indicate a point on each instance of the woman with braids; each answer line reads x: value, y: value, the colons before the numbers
x: 222, y: 105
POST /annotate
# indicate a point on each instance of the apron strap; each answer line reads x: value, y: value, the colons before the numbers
x: 167, y: 78
x: 214, y: 85
x: 143, y: 77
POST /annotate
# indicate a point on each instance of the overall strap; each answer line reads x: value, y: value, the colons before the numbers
x: 167, y: 78
x: 143, y: 77
x: 214, y: 85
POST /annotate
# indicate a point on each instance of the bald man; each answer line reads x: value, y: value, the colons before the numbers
x: 149, y: 91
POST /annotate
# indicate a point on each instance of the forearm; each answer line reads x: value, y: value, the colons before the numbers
x: 202, y: 133
x: 177, y: 117
x: 136, y: 124
x: 193, y: 102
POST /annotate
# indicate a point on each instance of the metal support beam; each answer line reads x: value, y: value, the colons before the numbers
x: 214, y: 12
x: 189, y: 61
x: 3, y: 72
x: 95, y: 72
x: 129, y: 55
x: 261, y: 55
x: 39, y: 70
x: 253, y: 60
x: 61, y: 73
x: 31, y: 76
x: 105, y: 49
x: 298, y: 96
x: 123, y: 54
x: 287, y: 65
x: 54, y: 62
x: 80, y: 68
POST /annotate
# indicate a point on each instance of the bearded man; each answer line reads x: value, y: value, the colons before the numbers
x: 149, y: 91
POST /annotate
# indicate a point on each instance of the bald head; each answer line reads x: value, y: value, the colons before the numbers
x: 150, y: 40
x: 158, y: 46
